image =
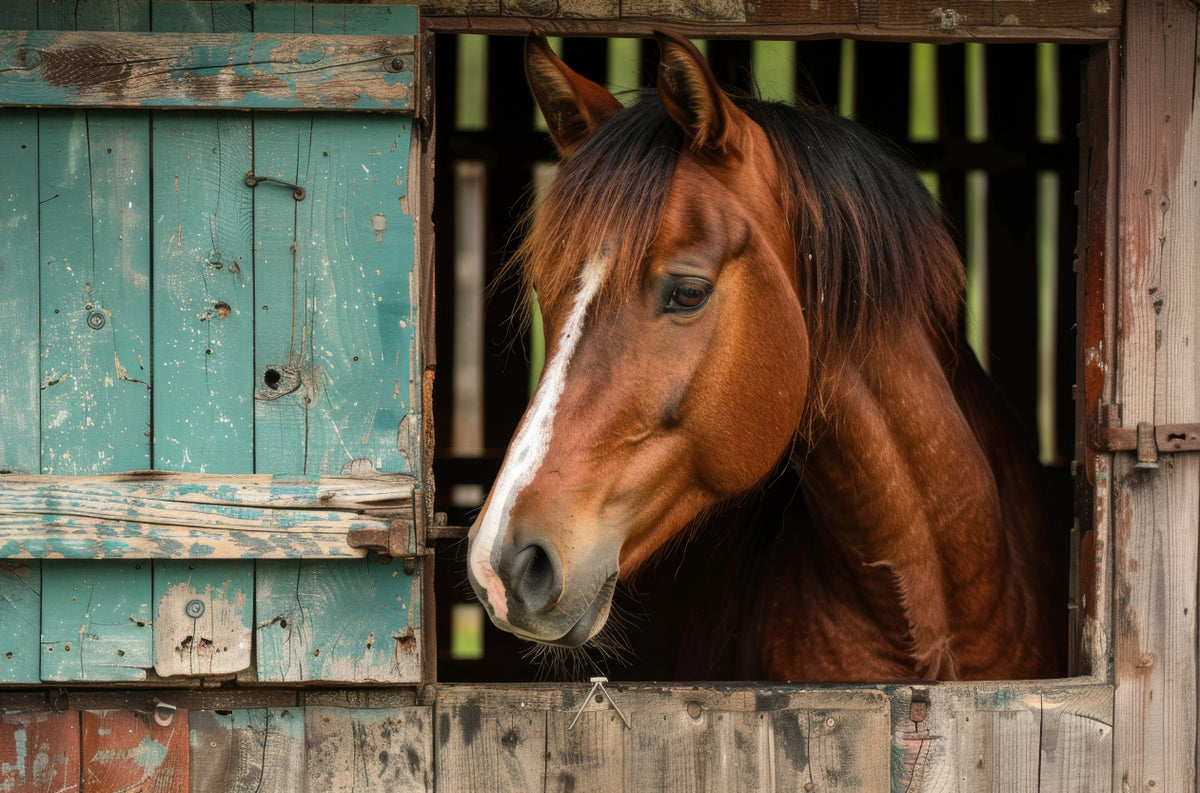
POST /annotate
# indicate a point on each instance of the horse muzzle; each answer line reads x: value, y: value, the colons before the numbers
x: 529, y: 592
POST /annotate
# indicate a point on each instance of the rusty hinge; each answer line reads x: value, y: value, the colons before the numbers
x: 399, y: 540
x: 1147, y: 440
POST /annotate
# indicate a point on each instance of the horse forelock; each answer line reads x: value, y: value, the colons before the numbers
x: 872, y: 246
x: 607, y: 201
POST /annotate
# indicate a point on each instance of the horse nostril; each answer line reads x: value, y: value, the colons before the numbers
x: 536, y: 577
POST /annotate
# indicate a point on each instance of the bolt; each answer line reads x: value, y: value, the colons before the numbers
x: 194, y: 608
x: 96, y: 320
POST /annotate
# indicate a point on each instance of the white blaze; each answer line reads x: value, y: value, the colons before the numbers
x: 528, y: 448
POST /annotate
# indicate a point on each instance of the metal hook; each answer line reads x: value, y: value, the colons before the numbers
x: 298, y: 192
x: 598, y: 683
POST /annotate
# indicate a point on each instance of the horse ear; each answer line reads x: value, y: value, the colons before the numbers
x: 692, y: 97
x: 572, y: 105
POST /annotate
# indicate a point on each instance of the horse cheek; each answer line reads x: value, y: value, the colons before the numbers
x: 757, y: 405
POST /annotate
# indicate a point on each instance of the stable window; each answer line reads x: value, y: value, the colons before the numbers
x: 992, y: 129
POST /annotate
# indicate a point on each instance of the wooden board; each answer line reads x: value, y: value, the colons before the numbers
x: 39, y: 751
x: 1157, y: 377
x: 170, y: 70
x: 203, y: 292
x: 167, y: 514
x: 332, y: 393
x: 20, y: 621
x: 709, y: 738
x: 124, y: 751
x: 20, y: 394
x: 975, y: 20
x: 1002, y: 736
x: 96, y: 620
x: 359, y: 750
x: 248, y: 750
x: 94, y: 279
x: 202, y: 617
x: 302, y: 629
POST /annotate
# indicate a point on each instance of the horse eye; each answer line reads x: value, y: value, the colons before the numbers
x: 689, y: 295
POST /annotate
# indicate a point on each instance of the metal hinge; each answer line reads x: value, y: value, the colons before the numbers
x: 398, y: 540
x: 1147, y: 440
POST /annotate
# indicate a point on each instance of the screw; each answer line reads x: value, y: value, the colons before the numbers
x: 194, y: 608
x: 96, y: 320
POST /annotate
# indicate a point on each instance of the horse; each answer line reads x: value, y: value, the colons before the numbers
x: 729, y: 285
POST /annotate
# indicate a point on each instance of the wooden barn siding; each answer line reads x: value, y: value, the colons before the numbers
x: 894, y: 19
x: 556, y: 737
x: 1157, y: 379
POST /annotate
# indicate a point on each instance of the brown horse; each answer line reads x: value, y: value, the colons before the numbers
x: 727, y: 283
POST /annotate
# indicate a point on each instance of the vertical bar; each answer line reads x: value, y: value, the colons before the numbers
x: 774, y: 69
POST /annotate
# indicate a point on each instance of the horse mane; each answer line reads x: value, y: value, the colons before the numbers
x: 872, y: 245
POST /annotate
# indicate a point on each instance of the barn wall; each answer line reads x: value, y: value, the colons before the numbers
x: 1157, y: 380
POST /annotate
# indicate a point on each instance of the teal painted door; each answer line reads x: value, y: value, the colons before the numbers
x: 172, y: 302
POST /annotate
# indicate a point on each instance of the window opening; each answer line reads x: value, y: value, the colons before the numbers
x: 983, y: 123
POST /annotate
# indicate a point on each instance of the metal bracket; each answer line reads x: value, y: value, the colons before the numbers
x: 1147, y: 440
x: 253, y: 180
x: 396, y: 541
x: 598, y: 685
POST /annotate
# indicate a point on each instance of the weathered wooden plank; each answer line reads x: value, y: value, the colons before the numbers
x: 302, y: 632
x: 20, y: 621
x: 1076, y: 739
x: 1157, y: 380
x: 698, y: 738
x: 247, y: 750
x: 706, y: 10
x: 124, y: 751
x: 796, y: 11
x: 39, y: 751
x: 488, y: 744
x: 336, y: 312
x: 203, y: 293
x: 20, y: 396
x: 1001, y: 736
x: 353, y: 750
x: 166, y: 514
x: 96, y: 620
x: 206, y: 71
x: 202, y: 617
x: 95, y: 309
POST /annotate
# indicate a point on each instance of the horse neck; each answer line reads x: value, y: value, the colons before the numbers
x: 897, y: 480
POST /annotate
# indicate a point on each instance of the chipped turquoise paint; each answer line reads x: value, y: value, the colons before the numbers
x: 20, y: 621
x: 333, y: 277
x: 203, y: 293
x: 96, y: 620
x: 334, y: 272
x: 95, y: 300
x: 301, y: 613
x: 20, y: 395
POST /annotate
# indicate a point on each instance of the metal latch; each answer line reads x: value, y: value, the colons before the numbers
x: 1147, y: 440
x: 396, y: 541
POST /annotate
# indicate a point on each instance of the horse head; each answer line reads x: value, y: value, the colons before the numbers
x: 664, y: 265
